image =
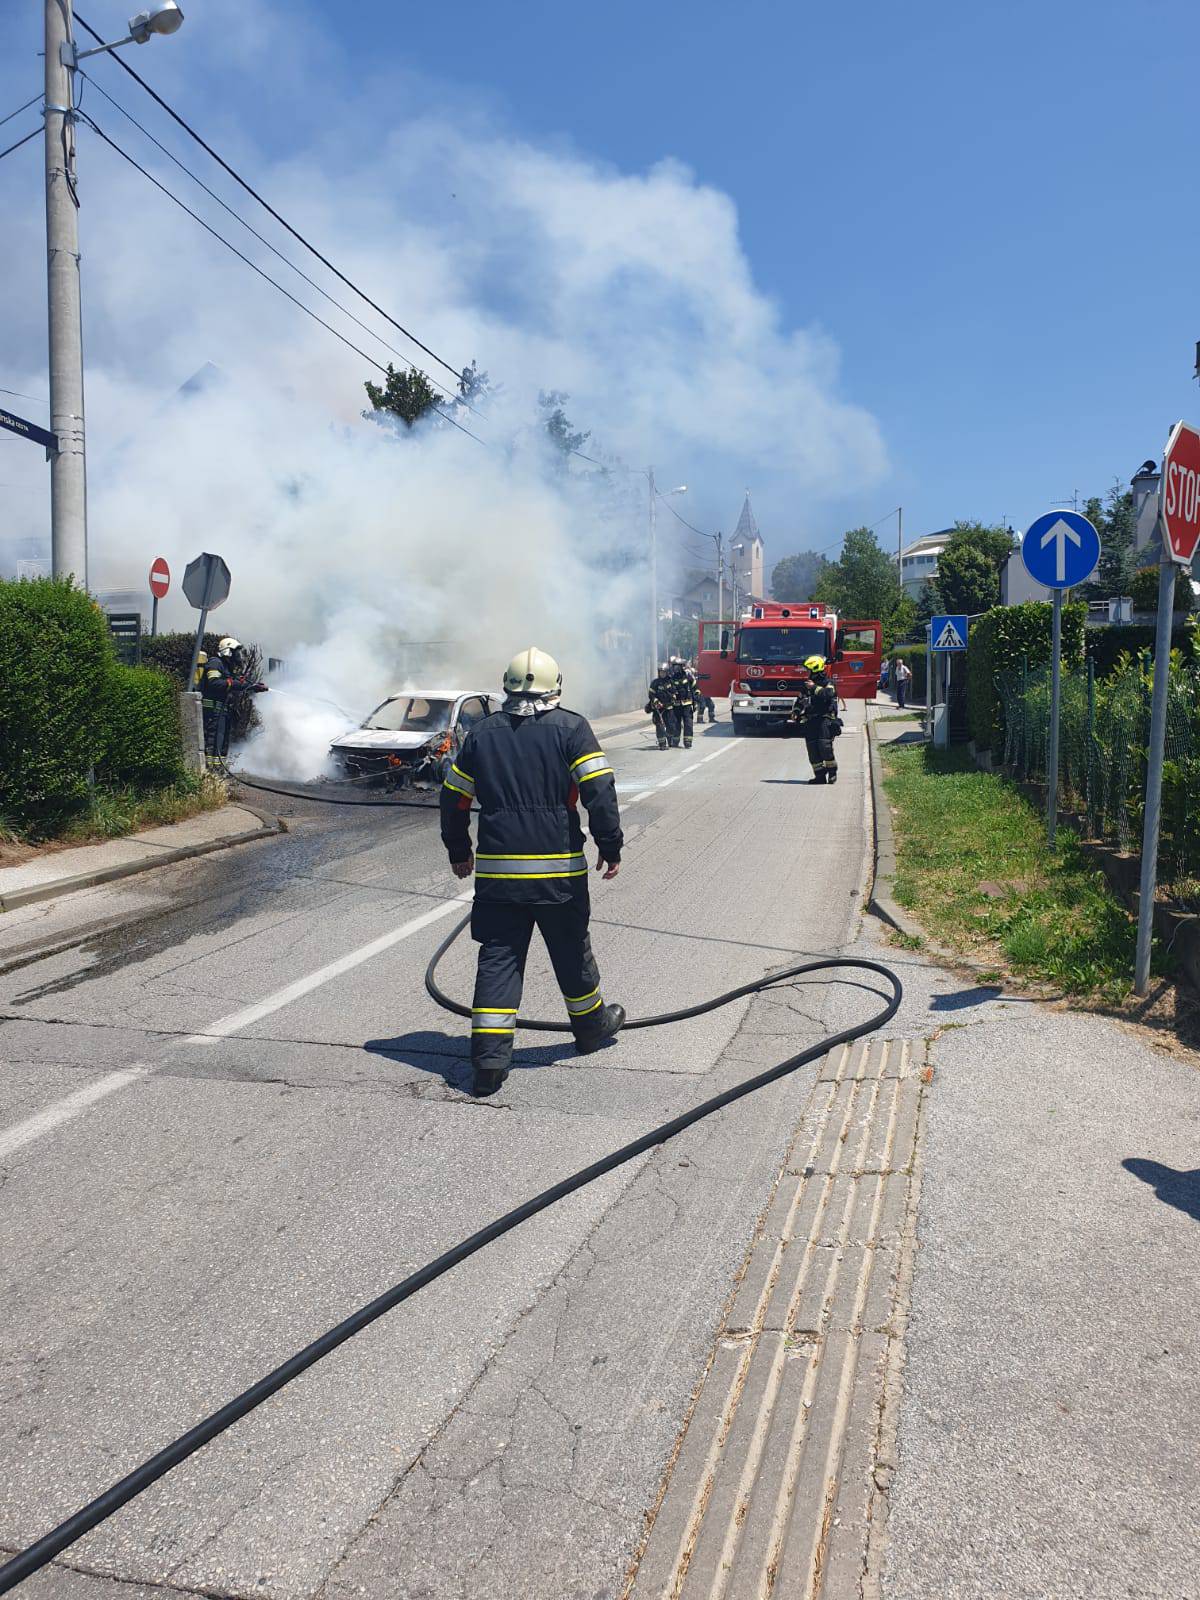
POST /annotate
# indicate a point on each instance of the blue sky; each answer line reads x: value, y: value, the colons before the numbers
x: 981, y: 219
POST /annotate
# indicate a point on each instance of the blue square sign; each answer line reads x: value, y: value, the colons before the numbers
x: 948, y: 632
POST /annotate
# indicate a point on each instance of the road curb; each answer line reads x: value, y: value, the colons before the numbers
x: 127, y: 869
x: 881, y: 901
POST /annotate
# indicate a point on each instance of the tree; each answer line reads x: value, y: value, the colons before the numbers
x: 928, y: 603
x: 408, y: 395
x: 1143, y: 586
x: 968, y: 572
x: 796, y: 577
x: 1115, y: 522
x: 862, y: 582
x: 554, y: 419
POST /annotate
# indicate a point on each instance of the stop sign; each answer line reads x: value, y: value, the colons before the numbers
x: 160, y: 578
x: 1180, y: 493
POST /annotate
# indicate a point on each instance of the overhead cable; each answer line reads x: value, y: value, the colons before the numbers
x: 254, y: 194
x: 19, y: 109
x: 19, y: 143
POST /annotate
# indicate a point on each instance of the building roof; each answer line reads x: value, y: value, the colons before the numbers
x: 928, y: 544
x: 747, y: 528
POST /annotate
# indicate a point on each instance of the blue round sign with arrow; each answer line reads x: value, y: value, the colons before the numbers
x: 1060, y: 550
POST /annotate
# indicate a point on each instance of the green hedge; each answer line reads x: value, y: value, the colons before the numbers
x: 1105, y: 645
x: 55, y: 656
x: 999, y: 642
x: 142, y: 748
x: 172, y: 653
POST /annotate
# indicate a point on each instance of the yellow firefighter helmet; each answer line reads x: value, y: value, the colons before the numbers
x: 815, y: 663
x: 532, y: 672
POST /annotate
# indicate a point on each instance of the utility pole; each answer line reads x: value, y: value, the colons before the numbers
x: 720, y: 581
x: 900, y: 546
x: 653, y: 562
x: 68, y: 479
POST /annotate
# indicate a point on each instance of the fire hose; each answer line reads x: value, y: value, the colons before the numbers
x: 44, y: 1550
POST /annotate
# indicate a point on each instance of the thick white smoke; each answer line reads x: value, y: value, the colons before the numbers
x: 629, y: 291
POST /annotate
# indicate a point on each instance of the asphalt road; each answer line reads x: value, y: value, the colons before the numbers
x: 229, y: 1114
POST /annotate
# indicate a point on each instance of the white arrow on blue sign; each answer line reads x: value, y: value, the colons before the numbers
x: 948, y: 632
x: 1060, y: 550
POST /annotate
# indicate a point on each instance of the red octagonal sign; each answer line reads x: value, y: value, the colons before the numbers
x: 1180, y: 502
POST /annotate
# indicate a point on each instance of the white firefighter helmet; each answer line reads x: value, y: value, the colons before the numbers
x: 202, y: 658
x: 532, y: 672
x: 227, y: 646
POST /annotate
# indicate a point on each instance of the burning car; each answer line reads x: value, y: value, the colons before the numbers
x: 412, y: 737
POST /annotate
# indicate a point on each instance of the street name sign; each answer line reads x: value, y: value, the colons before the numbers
x: 28, y: 430
x: 948, y: 632
x: 1180, y: 494
x: 1060, y: 550
x: 160, y: 578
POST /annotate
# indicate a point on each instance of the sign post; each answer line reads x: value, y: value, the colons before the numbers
x: 1059, y: 550
x: 1179, y: 525
x: 206, y: 585
x: 947, y: 636
x: 160, y: 582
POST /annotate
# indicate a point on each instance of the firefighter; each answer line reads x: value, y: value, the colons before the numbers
x: 662, y: 692
x: 224, y: 685
x: 819, y: 719
x: 684, y: 691
x: 527, y: 767
x: 658, y: 707
x: 704, y: 702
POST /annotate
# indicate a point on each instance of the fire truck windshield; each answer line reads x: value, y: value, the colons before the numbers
x: 782, y: 645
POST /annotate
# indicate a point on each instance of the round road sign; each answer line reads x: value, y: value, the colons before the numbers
x: 1180, y: 502
x: 160, y: 578
x: 1060, y: 550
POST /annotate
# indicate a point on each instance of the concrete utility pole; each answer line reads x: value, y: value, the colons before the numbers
x: 68, y: 478
x: 653, y: 561
x: 720, y: 580
x: 900, y: 546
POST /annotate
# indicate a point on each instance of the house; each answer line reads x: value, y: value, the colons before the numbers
x: 918, y: 564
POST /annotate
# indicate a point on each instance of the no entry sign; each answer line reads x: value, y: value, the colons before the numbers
x: 160, y: 578
x: 1180, y: 501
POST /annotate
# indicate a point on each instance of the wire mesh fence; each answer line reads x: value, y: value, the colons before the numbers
x: 1104, y: 734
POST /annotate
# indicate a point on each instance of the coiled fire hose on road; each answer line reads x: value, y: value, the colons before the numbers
x: 42, y: 1552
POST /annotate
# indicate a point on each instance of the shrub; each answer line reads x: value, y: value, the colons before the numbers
x: 141, y: 729
x: 1106, y: 645
x: 55, y: 655
x: 914, y: 654
x: 999, y: 642
x: 1143, y: 590
x: 172, y: 653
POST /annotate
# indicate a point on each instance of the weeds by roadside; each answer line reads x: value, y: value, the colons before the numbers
x: 974, y: 868
x: 116, y: 812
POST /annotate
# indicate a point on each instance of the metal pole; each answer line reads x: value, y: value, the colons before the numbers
x: 68, y: 480
x: 153, y: 616
x: 1055, y: 691
x: 900, y: 545
x: 653, y: 561
x: 1089, y: 768
x: 720, y: 582
x: 1154, y: 774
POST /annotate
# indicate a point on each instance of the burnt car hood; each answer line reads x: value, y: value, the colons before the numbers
x: 383, y: 739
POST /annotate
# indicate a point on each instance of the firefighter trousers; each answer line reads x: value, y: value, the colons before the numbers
x: 683, y: 723
x: 660, y: 728
x: 502, y: 932
x: 819, y: 741
x: 671, y: 719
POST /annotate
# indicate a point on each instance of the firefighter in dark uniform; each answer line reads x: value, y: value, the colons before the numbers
x: 223, y: 683
x: 704, y: 702
x: 527, y: 767
x: 817, y: 712
x: 685, y: 700
x: 662, y: 694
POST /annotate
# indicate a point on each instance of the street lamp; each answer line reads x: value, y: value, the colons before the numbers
x: 652, y: 554
x: 68, y: 473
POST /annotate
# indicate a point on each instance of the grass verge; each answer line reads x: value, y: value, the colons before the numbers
x: 974, y: 868
x: 113, y: 813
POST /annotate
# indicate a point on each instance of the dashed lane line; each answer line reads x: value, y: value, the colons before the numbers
x: 67, y: 1109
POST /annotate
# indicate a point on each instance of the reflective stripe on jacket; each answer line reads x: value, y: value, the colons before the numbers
x: 527, y: 776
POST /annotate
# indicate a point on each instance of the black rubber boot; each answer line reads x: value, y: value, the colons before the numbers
x: 817, y: 777
x: 662, y: 744
x: 486, y: 1080
x: 687, y: 744
x: 831, y: 777
x: 612, y: 1019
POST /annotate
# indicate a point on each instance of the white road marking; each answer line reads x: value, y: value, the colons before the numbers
x: 656, y: 787
x: 302, y: 986
x: 65, y: 1110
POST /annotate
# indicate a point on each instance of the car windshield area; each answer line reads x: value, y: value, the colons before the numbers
x: 406, y: 713
x: 781, y: 645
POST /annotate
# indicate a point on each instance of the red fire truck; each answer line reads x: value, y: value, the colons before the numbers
x: 756, y: 660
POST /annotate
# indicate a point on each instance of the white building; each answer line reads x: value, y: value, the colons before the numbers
x: 918, y: 564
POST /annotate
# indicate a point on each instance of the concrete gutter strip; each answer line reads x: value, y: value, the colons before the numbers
x: 155, y: 855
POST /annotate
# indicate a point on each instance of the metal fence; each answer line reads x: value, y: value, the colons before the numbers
x: 1104, y: 733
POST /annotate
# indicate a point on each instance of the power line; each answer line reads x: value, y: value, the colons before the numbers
x: 254, y: 267
x: 684, y: 520
x: 19, y: 142
x: 212, y: 194
x: 19, y: 110
x: 237, y: 177
x: 21, y: 395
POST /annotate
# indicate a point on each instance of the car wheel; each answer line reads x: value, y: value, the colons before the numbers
x: 741, y: 725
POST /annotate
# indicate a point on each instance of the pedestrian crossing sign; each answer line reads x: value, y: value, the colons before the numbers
x: 948, y: 633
